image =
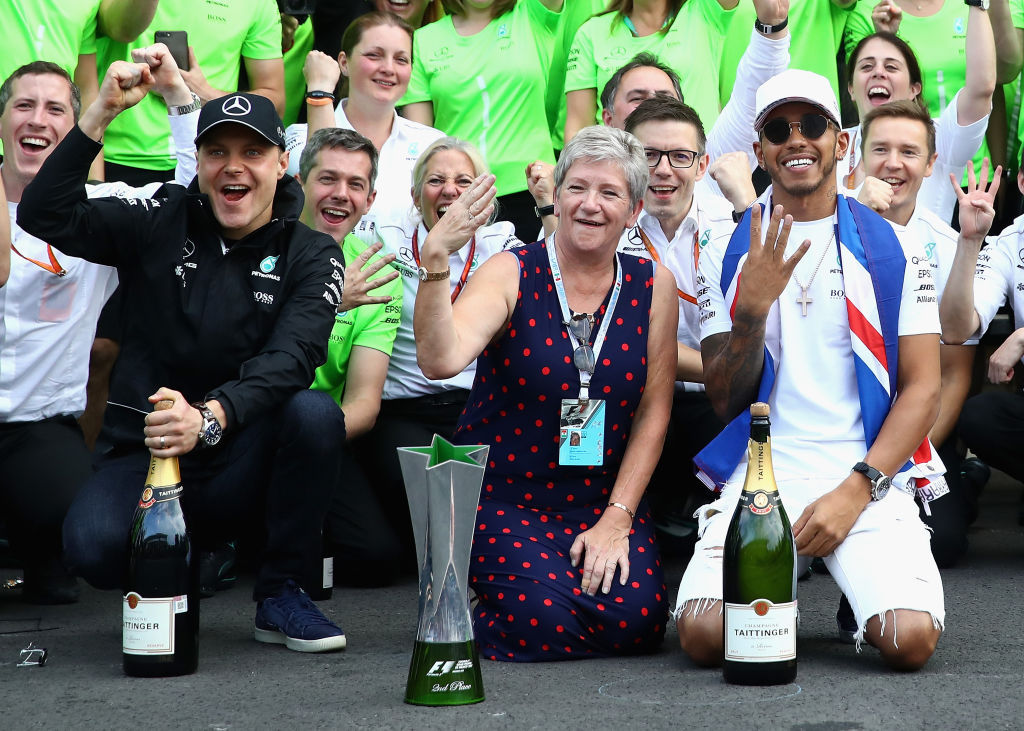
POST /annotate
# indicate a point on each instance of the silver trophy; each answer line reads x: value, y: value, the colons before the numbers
x: 442, y: 483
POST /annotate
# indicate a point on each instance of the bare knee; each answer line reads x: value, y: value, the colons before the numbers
x: 906, y: 638
x: 700, y: 631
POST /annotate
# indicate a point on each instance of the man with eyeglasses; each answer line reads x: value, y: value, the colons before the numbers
x: 679, y: 219
x: 49, y: 312
x: 816, y: 307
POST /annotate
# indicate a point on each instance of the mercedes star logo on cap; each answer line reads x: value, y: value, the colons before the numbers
x: 237, y: 106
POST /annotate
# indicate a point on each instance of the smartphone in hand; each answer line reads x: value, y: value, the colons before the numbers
x: 177, y: 43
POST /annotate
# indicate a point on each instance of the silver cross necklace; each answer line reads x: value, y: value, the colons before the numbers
x: 803, y: 300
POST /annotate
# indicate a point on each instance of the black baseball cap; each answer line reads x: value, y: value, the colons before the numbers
x: 252, y: 110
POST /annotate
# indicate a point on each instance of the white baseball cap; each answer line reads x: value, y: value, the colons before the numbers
x: 796, y: 85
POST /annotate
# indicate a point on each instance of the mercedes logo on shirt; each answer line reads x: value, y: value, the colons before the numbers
x: 237, y: 106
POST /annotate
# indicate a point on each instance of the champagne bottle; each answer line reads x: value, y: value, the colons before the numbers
x: 759, y: 575
x: 160, y: 615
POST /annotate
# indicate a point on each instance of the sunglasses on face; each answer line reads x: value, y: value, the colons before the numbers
x: 676, y: 158
x: 583, y: 357
x: 811, y: 126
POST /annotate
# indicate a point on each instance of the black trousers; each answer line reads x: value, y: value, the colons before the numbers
x: 674, y: 486
x: 278, y: 472
x: 42, y: 465
x: 951, y: 514
x: 992, y: 425
x: 383, y: 511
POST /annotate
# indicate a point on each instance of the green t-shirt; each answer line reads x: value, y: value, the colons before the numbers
x: 369, y: 326
x: 294, y: 81
x: 47, y: 31
x: 939, y: 42
x: 1012, y: 94
x: 574, y: 15
x: 604, y: 44
x: 489, y: 88
x: 221, y: 32
x: 816, y: 35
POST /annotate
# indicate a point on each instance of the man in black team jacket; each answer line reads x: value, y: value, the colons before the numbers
x: 229, y: 302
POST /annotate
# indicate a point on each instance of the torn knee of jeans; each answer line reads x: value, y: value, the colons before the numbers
x: 696, y: 607
x: 883, y: 619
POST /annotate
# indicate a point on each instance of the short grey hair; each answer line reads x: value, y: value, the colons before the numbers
x: 607, y: 144
x: 334, y: 138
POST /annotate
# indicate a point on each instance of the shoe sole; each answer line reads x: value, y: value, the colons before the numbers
x: 274, y: 637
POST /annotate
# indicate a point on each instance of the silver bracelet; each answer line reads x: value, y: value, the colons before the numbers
x: 620, y: 506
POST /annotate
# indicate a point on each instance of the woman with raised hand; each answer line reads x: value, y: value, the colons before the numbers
x: 687, y: 35
x: 884, y: 67
x: 376, y: 61
x: 575, y: 356
x: 480, y: 74
x: 415, y: 406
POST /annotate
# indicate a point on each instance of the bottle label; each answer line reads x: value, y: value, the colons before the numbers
x: 163, y: 494
x: 761, y: 631
x: 760, y: 503
x: 148, y: 624
x: 328, y: 577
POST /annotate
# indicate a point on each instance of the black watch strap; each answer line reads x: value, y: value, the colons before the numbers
x: 769, y: 29
x: 542, y: 211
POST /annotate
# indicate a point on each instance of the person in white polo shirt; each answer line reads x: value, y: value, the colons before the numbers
x: 778, y: 325
x: 376, y: 60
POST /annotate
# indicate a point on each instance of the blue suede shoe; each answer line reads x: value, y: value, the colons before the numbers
x: 293, y: 620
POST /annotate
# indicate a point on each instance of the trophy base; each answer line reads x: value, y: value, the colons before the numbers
x: 444, y: 674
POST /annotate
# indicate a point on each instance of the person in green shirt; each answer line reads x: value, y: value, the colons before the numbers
x: 338, y: 170
x: 684, y: 35
x: 138, y: 143
x: 480, y: 74
x: 64, y: 32
x: 817, y: 35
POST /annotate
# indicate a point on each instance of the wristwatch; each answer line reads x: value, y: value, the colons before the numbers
x: 983, y: 4
x: 183, y: 109
x: 542, y: 211
x: 426, y: 276
x: 211, y: 431
x: 769, y: 29
x: 879, y: 482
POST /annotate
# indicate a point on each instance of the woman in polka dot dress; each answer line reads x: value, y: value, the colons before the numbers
x: 560, y: 565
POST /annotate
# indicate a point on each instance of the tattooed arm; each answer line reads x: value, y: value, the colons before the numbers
x: 733, y: 360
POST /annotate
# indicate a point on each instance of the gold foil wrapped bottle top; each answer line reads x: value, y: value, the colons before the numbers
x: 163, y: 471
x: 759, y: 409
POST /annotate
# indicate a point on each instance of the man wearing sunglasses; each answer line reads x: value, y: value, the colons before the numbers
x: 816, y: 307
x: 49, y: 311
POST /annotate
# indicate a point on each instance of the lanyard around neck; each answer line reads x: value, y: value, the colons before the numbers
x: 654, y: 255
x: 563, y: 304
x: 53, y: 267
x: 465, y: 270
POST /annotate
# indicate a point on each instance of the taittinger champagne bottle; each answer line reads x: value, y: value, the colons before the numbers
x: 759, y: 575
x: 160, y: 616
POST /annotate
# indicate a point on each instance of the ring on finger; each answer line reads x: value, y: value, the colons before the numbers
x: 163, y: 442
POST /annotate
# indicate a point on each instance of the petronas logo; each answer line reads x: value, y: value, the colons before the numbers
x: 929, y: 249
x: 268, y: 264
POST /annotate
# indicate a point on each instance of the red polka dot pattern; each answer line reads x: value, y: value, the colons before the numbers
x: 531, y: 510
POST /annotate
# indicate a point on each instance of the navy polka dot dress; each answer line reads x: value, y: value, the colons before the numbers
x: 531, y: 606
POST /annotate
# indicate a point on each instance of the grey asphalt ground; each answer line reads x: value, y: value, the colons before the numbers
x: 974, y: 681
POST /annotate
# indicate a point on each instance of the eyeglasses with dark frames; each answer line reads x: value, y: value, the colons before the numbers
x: 676, y: 158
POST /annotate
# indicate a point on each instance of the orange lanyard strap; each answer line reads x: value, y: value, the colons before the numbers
x: 465, y: 269
x: 53, y: 267
x: 654, y: 255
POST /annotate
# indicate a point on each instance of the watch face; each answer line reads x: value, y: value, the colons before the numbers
x: 212, y: 432
x: 422, y: 271
x: 880, y: 489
